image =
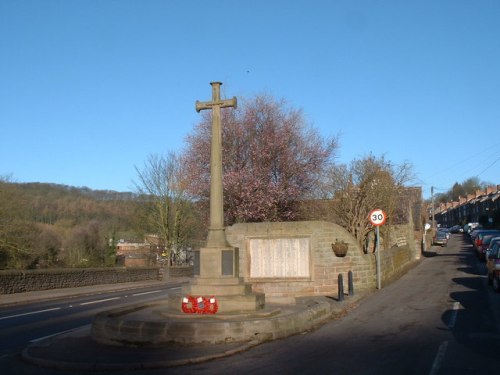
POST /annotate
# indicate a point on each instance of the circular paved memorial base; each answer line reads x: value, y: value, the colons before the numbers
x: 155, y: 324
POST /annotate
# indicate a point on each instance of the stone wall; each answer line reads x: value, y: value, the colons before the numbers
x: 325, y: 265
x: 181, y: 271
x: 31, y: 280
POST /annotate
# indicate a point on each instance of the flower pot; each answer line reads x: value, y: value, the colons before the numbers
x: 340, y: 248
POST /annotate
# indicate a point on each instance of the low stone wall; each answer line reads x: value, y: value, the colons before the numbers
x: 394, y: 262
x: 324, y: 265
x: 31, y: 280
x: 181, y: 271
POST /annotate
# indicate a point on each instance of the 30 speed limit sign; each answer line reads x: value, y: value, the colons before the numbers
x: 377, y: 217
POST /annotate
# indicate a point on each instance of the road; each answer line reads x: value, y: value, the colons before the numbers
x: 22, y: 324
x: 439, y: 318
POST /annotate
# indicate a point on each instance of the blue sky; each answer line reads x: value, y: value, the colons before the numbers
x: 90, y: 88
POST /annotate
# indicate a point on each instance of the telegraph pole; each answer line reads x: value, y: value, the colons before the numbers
x: 432, y: 199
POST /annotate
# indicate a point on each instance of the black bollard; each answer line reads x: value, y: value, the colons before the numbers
x: 351, y: 283
x: 341, y: 288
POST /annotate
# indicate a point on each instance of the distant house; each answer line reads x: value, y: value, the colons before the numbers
x: 482, y: 207
x: 135, y: 254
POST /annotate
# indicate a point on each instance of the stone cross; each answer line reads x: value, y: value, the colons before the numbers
x: 216, y: 234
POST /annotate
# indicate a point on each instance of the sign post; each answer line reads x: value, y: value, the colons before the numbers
x: 426, y: 228
x: 377, y: 218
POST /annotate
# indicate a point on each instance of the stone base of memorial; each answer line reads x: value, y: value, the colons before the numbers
x: 232, y: 295
x: 154, y: 325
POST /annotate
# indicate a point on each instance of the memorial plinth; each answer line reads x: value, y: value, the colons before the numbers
x: 219, y: 278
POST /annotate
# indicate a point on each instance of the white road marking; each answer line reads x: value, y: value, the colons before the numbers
x: 454, y: 313
x: 439, y: 358
x: 143, y: 293
x: 29, y: 313
x: 57, y: 333
x: 99, y: 301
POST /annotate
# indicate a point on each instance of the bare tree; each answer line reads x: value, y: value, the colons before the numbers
x: 85, y: 245
x: 161, y: 184
x: 15, y: 230
x: 364, y: 185
x: 468, y: 186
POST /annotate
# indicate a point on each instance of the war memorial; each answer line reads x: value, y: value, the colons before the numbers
x: 254, y: 282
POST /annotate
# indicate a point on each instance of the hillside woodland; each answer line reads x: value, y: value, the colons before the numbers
x: 49, y: 225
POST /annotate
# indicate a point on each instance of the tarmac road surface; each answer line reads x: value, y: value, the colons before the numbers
x: 30, y: 317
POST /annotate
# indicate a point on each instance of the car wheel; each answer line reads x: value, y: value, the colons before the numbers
x: 496, y: 284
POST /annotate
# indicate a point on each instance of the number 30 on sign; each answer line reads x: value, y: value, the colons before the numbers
x: 377, y: 217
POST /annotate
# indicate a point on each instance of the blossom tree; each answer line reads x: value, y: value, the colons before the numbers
x: 271, y: 160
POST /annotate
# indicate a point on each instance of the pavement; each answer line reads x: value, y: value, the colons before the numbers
x: 75, y: 350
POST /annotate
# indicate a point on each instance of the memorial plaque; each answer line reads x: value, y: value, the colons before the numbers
x: 279, y: 257
x: 227, y: 263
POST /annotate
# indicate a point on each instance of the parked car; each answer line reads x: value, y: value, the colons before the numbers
x: 493, y: 241
x: 474, y: 233
x: 493, y: 266
x: 440, y: 238
x: 468, y: 228
x: 456, y: 229
x: 476, y: 236
x: 445, y: 230
x: 484, y: 235
x: 485, y: 243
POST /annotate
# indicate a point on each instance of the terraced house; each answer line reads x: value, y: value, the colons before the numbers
x: 482, y: 207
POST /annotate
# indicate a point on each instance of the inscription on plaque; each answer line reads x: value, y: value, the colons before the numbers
x: 279, y: 257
